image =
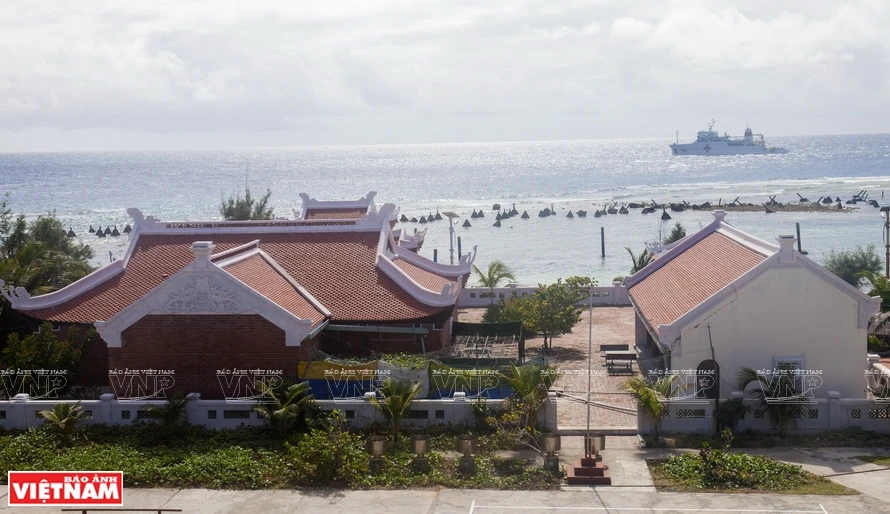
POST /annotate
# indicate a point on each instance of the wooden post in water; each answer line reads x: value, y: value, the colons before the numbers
x: 459, y: 253
x: 603, y: 241
x: 435, y: 255
x: 797, y: 226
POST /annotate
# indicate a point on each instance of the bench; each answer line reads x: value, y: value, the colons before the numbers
x: 620, y: 361
x: 614, y: 348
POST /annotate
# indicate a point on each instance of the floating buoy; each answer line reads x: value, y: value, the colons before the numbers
x: 99, y: 232
x: 524, y: 215
x: 613, y: 210
x: 837, y: 199
x: 467, y: 224
x: 570, y: 215
x: 596, y: 214
x: 430, y: 218
x: 403, y: 219
x: 496, y: 207
x: 481, y: 214
x: 497, y: 223
x: 114, y: 232
x: 422, y: 219
x: 107, y: 231
x: 582, y: 214
x: 544, y: 213
x: 664, y: 215
x: 127, y: 229
x: 413, y: 220
x: 71, y: 233
x: 497, y: 217
x: 438, y: 216
x: 474, y: 215
x: 92, y: 230
x: 827, y: 199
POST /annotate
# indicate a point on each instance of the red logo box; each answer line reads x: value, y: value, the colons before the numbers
x: 61, y: 488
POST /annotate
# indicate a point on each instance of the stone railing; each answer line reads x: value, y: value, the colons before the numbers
x: 481, y: 296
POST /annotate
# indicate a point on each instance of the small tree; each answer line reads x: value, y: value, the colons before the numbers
x: 639, y: 262
x: 555, y: 310
x: 45, y: 350
x: 779, y: 395
x: 63, y: 417
x: 677, y: 233
x: 652, y: 395
x: 398, y: 395
x: 172, y: 416
x: 247, y: 208
x: 284, y: 405
x: 529, y: 385
x: 850, y: 264
x: 496, y: 273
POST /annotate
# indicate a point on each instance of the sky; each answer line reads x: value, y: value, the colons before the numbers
x: 188, y: 74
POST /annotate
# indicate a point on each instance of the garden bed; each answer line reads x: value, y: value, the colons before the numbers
x: 254, y: 458
x: 846, y: 437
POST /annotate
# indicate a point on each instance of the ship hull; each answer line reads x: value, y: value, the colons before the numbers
x: 721, y: 148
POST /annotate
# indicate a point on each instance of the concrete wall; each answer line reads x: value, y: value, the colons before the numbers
x: 21, y: 413
x: 480, y: 296
x: 830, y: 413
x: 786, y: 311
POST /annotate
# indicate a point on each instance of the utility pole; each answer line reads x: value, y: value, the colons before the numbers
x: 451, y: 215
x: 886, y: 211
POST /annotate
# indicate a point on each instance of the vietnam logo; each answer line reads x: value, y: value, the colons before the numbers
x: 62, y: 488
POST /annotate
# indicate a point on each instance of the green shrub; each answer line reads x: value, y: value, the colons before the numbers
x: 717, y: 469
x: 331, y: 456
x: 876, y: 344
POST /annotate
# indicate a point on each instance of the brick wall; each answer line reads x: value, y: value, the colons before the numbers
x: 196, y: 346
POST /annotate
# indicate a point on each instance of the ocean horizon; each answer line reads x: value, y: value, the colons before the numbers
x: 95, y: 188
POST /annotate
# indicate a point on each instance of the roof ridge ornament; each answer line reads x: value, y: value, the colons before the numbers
x: 15, y: 295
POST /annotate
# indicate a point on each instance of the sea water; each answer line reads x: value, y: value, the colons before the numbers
x: 89, y: 188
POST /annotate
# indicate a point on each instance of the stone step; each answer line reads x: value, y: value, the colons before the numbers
x: 574, y: 479
x: 585, y: 471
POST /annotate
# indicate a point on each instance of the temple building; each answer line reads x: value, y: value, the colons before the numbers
x: 198, y: 297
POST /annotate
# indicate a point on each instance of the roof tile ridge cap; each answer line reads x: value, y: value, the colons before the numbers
x: 302, y: 291
x: 231, y: 252
x: 669, y: 255
x: 747, y: 240
x: 449, y: 290
x: 428, y: 265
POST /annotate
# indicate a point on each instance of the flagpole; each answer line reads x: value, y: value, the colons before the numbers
x: 589, y: 364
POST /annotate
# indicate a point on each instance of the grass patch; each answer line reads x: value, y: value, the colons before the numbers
x: 880, y: 460
x: 737, y: 473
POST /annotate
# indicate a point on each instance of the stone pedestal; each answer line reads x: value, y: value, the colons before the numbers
x: 551, y: 463
x: 421, y: 464
x: 467, y: 465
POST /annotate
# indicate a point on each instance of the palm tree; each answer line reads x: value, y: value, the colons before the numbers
x: 641, y: 261
x: 652, y: 395
x: 398, y: 394
x: 63, y: 417
x: 283, y: 405
x: 497, y: 271
x: 530, y: 385
x: 779, y: 396
x: 880, y: 286
x: 172, y: 416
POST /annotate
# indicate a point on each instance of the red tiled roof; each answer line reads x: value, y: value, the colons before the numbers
x: 690, y: 278
x: 427, y: 279
x: 339, y: 269
x: 336, y: 214
x: 262, y: 277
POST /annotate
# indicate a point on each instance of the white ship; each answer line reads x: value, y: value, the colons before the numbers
x: 709, y: 142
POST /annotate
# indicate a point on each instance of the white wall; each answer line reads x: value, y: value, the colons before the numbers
x: 786, y: 311
x: 21, y: 413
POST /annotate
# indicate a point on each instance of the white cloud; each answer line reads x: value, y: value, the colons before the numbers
x: 209, y: 72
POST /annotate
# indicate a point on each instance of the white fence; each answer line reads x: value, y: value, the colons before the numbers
x: 822, y: 414
x: 22, y: 412
x: 481, y: 296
